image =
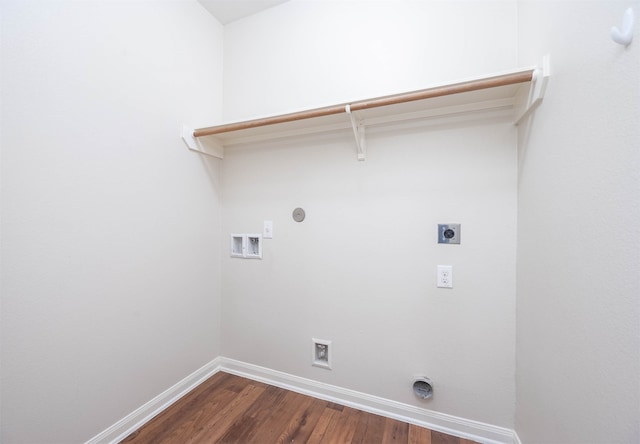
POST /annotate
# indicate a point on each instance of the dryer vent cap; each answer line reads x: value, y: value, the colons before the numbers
x: 423, y: 388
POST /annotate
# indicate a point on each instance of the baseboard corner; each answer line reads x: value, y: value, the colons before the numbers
x: 133, y: 421
x: 449, y: 424
x: 516, y: 438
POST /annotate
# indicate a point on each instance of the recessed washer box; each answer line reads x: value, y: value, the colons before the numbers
x: 448, y: 233
x: 237, y: 245
x: 254, y: 246
x: 247, y: 246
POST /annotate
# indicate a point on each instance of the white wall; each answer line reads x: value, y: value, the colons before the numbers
x: 360, y: 270
x: 578, y: 346
x: 307, y: 53
x: 110, y: 227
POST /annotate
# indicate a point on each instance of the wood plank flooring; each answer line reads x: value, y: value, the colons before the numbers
x: 230, y: 409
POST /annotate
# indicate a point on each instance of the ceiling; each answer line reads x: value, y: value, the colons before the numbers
x: 227, y: 11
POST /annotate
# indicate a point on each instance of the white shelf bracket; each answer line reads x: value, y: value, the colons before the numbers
x: 536, y: 90
x: 358, y: 132
x: 203, y: 145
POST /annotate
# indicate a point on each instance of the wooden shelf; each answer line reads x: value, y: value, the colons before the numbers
x: 512, y: 91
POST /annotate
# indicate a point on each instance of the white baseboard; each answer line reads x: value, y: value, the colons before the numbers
x: 453, y: 425
x: 136, y: 419
x: 516, y: 438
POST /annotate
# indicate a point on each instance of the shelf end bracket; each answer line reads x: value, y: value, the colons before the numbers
x: 204, y: 145
x: 537, y: 89
x: 358, y: 132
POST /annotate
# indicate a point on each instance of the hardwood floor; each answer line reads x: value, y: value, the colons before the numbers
x: 229, y: 409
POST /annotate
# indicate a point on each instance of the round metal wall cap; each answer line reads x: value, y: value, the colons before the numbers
x: 422, y: 388
x: 298, y: 214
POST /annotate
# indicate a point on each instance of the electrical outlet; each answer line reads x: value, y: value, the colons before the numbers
x: 448, y: 233
x: 445, y: 276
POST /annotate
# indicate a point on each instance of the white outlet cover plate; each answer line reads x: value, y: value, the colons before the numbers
x: 268, y: 229
x: 445, y: 276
